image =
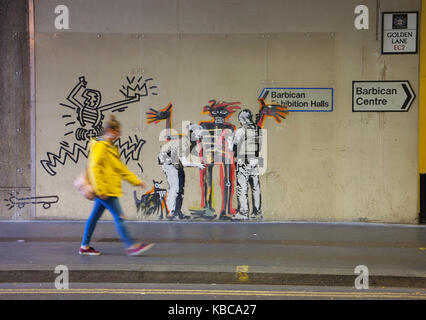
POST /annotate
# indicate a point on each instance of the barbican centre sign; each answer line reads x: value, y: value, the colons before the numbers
x: 382, y: 96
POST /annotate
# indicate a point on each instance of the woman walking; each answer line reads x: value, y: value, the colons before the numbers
x: 105, y: 174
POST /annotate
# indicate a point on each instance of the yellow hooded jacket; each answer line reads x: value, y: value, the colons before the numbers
x: 106, y: 169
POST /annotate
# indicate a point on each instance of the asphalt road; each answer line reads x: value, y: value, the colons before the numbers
x: 199, y: 292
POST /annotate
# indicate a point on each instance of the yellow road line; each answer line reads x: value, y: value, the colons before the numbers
x: 363, y: 294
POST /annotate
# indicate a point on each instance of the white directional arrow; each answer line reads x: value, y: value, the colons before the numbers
x: 382, y: 96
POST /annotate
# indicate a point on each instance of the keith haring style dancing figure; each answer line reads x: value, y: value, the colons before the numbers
x: 87, y: 104
x: 86, y: 121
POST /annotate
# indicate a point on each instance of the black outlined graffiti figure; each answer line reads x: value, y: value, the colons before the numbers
x: 88, y: 115
x: 216, y: 148
x: 45, y: 201
x: 87, y: 104
x: 153, y: 201
x: 246, y: 145
x: 66, y: 152
x: 130, y: 150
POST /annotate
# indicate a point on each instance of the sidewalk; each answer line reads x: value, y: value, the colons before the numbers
x: 293, y: 253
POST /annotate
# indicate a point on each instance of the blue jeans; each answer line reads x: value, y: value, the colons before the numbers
x: 113, y: 206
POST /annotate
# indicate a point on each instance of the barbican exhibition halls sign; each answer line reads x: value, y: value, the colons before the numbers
x: 300, y: 99
x: 399, y: 32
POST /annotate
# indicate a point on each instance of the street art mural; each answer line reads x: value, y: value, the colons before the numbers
x: 214, y: 143
x: 83, y: 111
x: 86, y: 122
x: 174, y: 155
x: 209, y: 145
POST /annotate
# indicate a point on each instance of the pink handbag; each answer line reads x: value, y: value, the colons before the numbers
x: 82, y: 184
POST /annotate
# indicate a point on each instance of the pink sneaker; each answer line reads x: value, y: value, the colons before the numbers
x: 89, y: 252
x: 139, y: 249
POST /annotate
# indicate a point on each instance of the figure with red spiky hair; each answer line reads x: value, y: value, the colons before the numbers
x: 216, y: 149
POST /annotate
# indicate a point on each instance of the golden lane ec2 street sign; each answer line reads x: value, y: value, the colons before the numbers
x: 399, y: 32
x: 382, y: 96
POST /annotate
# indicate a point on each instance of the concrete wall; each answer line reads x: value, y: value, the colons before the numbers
x: 321, y: 166
x: 15, y: 149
